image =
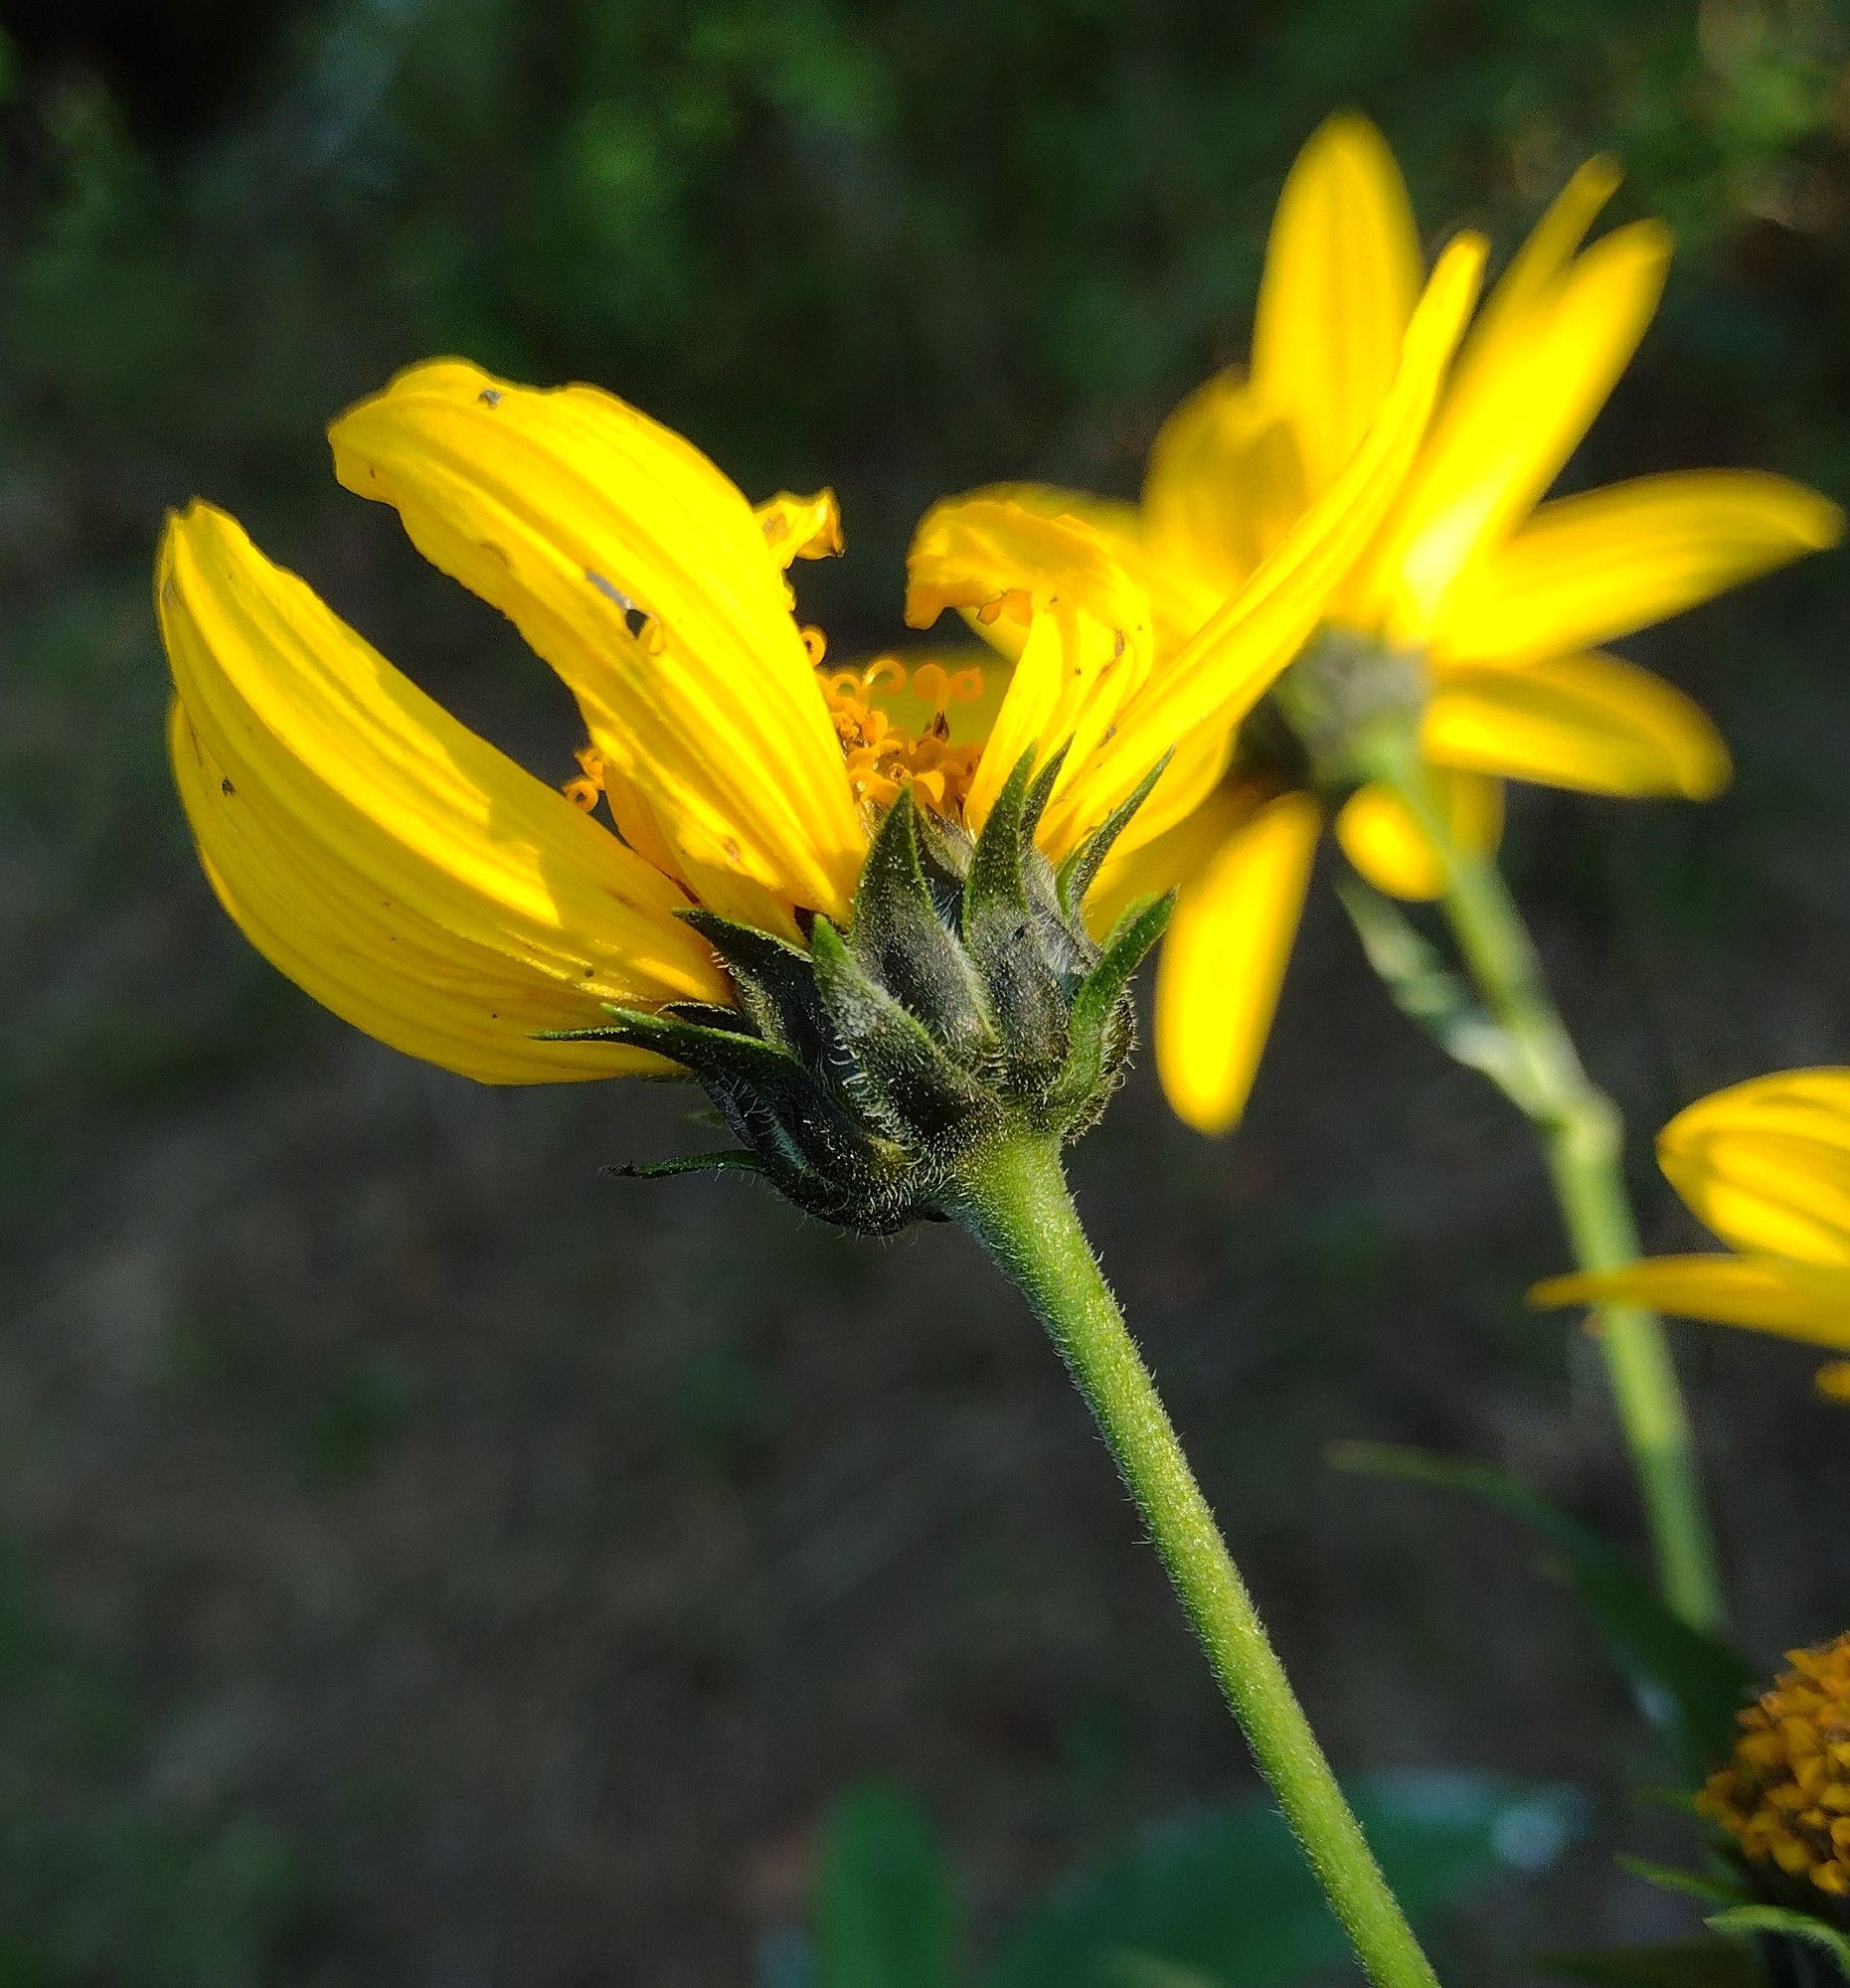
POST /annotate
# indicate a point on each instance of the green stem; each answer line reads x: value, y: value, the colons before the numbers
x: 1583, y: 1141
x: 1015, y: 1201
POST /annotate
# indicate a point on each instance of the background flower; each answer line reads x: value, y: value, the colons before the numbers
x: 1767, y: 1166
x: 1479, y: 612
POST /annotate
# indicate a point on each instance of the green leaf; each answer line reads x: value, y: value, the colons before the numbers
x: 1223, y: 1898
x: 884, y: 1913
x: 1691, y: 1964
x: 1080, y: 870
x: 767, y: 1097
x: 1000, y: 930
x: 776, y: 986
x: 1095, y: 1006
x: 730, y: 1160
x: 1753, y: 1921
x: 1433, y: 997
x: 894, y: 1070
x: 1691, y: 1884
x: 1690, y: 1686
x: 898, y: 934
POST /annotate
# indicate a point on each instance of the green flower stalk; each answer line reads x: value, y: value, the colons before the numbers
x: 930, y: 1063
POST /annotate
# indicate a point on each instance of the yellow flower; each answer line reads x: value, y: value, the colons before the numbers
x: 424, y: 886
x: 1785, y: 1794
x: 1475, y: 611
x: 1767, y: 1166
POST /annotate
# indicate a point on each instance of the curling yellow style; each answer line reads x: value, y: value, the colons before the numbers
x: 1767, y: 1166
x: 424, y: 886
x: 1477, y: 609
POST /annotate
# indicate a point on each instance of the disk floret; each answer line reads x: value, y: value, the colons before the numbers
x: 964, y: 1005
x: 1784, y: 1795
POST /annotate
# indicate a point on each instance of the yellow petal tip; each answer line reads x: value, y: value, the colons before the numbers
x: 1832, y: 1380
x: 1819, y: 525
x: 1555, y: 1293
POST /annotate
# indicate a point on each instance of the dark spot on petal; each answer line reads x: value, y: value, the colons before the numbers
x: 490, y: 396
x: 611, y: 590
x: 226, y: 787
x: 730, y: 849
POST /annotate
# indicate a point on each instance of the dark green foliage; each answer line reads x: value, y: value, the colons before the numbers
x: 1798, y: 1949
x: 1695, y: 1963
x: 884, y: 1913
x: 1218, y: 1897
x: 1690, y: 1686
x: 964, y: 1005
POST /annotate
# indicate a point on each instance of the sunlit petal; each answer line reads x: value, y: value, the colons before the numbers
x: 1233, y: 660
x: 1524, y: 395
x: 1342, y: 271
x: 1585, y: 569
x: 805, y: 527
x: 1224, y: 960
x: 1767, y: 1165
x: 1381, y: 838
x: 1591, y: 723
x: 1000, y: 552
x: 1224, y: 485
x: 634, y: 568
x: 1754, y: 1292
x: 1176, y: 858
x: 398, y: 867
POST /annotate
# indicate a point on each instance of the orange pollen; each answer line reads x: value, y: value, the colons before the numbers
x: 882, y: 756
x: 1784, y: 1795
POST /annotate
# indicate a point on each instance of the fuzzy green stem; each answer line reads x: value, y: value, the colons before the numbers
x: 1582, y: 1142
x: 1015, y: 1201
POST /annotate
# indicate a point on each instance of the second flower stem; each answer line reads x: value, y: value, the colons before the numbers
x: 1582, y: 1142
x: 1016, y: 1203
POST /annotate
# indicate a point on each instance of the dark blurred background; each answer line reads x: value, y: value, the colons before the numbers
x: 425, y: 1560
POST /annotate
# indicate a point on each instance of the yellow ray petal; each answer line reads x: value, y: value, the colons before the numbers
x: 1342, y: 271
x: 1224, y: 484
x: 1767, y: 1165
x: 1003, y: 552
x: 397, y: 865
x: 1515, y: 414
x: 636, y: 569
x: 1383, y: 841
x: 1832, y: 1380
x: 1174, y: 859
x: 1585, y: 569
x: 805, y: 527
x: 1087, y: 648
x: 1752, y: 1291
x: 1590, y: 723
x: 1536, y: 268
x: 1230, y: 662
x: 1178, y: 598
x: 1223, y: 960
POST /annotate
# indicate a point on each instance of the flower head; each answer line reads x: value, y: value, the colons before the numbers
x: 1767, y: 1166
x: 1785, y: 1794
x: 1472, y: 620
x: 744, y: 819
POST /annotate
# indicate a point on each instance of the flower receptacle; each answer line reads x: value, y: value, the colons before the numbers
x: 963, y: 1006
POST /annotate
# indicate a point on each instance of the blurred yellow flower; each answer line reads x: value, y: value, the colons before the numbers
x: 1785, y: 1794
x: 1475, y: 614
x: 421, y: 885
x: 1767, y: 1166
